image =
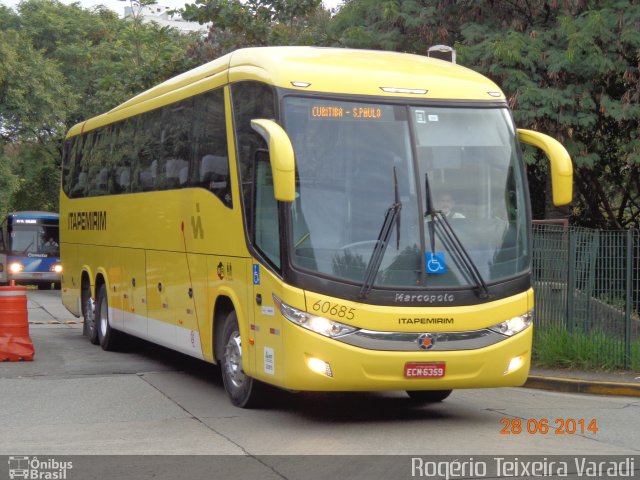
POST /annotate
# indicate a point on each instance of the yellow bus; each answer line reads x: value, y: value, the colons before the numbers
x: 313, y: 219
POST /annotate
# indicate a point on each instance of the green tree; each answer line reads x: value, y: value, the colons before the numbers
x: 571, y: 69
x: 34, y: 99
x: 399, y: 25
x: 8, y: 183
x: 37, y: 184
x: 104, y: 59
x: 236, y: 24
x: 60, y: 64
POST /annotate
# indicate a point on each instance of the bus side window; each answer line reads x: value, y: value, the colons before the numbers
x: 214, y: 176
x: 210, y: 165
x: 267, y: 234
x: 176, y: 144
x: 250, y: 100
x: 152, y: 177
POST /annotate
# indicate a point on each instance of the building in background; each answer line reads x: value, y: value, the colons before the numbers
x: 164, y: 16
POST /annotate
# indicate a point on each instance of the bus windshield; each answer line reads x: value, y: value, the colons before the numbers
x: 355, y: 160
x: 40, y: 240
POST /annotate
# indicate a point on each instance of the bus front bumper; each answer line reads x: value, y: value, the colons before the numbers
x: 313, y: 362
x: 34, y: 277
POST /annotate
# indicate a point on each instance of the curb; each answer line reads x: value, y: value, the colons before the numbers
x: 54, y: 322
x: 570, y: 385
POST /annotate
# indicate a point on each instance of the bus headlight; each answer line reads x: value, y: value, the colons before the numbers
x: 321, y: 325
x: 16, y: 267
x: 514, y: 325
x: 57, y: 268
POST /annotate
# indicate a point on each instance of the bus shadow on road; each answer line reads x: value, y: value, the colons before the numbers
x: 349, y: 407
x: 327, y: 407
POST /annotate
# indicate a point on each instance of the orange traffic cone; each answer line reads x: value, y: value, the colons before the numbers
x: 15, y: 343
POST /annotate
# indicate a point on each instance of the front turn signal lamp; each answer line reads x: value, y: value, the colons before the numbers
x: 320, y: 325
x: 514, y: 325
x: 16, y: 267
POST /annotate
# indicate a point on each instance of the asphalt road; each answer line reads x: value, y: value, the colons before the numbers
x: 74, y: 398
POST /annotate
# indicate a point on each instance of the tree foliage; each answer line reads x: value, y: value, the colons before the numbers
x: 404, y: 26
x: 569, y: 68
x: 239, y: 23
x: 60, y: 64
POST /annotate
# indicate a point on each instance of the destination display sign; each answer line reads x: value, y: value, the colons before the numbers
x: 350, y: 111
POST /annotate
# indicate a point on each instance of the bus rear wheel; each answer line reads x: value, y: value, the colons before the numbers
x: 108, y: 338
x: 243, y: 391
x: 428, y: 396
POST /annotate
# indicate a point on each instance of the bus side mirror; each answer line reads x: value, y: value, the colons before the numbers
x: 283, y: 165
x: 561, y: 168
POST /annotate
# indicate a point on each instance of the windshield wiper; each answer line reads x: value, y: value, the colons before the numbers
x: 24, y: 252
x: 391, y: 217
x: 452, y: 242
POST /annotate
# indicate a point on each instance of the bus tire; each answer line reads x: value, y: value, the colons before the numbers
x: 89, y: 314
x: 108, y: 338
x: 243, y: 391
x: 428, y: 396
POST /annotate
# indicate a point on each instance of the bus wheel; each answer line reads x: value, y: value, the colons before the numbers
x: 108, y: 338
x: 428, y: 396
x: 89, y: 313
x: 243, y: 390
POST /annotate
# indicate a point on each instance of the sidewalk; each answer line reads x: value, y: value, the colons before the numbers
x: 602, y: 383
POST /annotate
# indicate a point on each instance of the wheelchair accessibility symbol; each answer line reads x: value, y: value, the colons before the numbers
x: 435, y: 263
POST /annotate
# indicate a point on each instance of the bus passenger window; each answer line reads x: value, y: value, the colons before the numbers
x: 214, y: 176
x: 210, y: 164
x: 148, y: 176
x: 176, y: 172
x: 123, y: 179
x: 80, y: 187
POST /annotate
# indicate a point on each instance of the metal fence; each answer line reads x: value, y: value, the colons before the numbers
x: 586, y: 286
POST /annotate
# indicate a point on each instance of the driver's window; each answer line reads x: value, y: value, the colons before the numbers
x: 267, y: 233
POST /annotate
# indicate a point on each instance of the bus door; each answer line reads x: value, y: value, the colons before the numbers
x: 267, y: 325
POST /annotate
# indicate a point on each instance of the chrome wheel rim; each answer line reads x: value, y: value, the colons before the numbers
x: 90, y: 314
x: 104, y: 316
x: 233, y: 360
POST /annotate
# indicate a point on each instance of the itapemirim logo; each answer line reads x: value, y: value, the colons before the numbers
x: 33, y: 468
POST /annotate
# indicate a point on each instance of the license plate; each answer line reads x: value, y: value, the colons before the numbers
x: 424, y: 370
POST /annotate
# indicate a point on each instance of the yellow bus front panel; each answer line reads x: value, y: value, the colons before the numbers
x: 296, y: 352
x: 357, y: 369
